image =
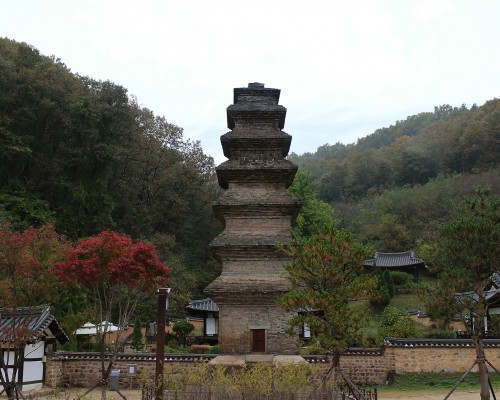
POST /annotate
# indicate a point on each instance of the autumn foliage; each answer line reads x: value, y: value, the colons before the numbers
x: 116, y: 272
x: 25, y: 261
x: 113, y: 260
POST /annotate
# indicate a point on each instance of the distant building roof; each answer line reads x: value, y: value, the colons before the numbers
x: 491, y: 292
x: 394, y: 260
x: 495, y: 280
x: 90, y: 329
x: 396, y: 342
x: 203, y: 305
x: 490, y: 295
x: 38, y: 321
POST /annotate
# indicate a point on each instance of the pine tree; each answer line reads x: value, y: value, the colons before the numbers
x: 471, y: 255
x: 137, y: 336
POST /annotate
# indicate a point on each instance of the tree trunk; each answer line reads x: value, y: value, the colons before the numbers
x: 335, y: 374
x: 483, y: 369
x: 478, y: 340
x: 10, y: 391
x: 104, y: 376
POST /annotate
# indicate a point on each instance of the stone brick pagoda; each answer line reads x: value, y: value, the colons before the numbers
x: 257, y: 212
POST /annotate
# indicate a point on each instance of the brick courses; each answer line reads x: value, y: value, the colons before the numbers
x: 257, y: 212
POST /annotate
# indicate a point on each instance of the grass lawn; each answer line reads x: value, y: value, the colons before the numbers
x: 437, y: 382
x: 407, y: 302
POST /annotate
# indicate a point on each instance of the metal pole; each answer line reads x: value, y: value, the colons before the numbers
x: 160, y: 340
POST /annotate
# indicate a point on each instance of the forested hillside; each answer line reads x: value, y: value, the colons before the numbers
x: 84, y: 155
x: 394, y: 187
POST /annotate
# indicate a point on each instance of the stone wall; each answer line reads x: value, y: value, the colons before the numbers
x: 84, y: 369
x: 368, y: 366
x: 438, y: 355
x: 444, y: 359
x: 364, y: 366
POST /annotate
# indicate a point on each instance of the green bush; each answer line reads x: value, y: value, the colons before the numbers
x: 386, y: 289
x: 440, y: 334
x: 182, y: 329
x: 392, y: 324
x: 389, y: 282
x: 400, y: 278
x: 173, y: 343
x: 175, y: 350
x: 389, y: 316
x: 404, y: 327
x: 370, y: 341
x: 382, y: 298
x: 314, y: 349
x: 212, y: 350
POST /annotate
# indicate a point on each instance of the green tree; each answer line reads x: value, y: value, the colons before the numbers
x: 137, y: 336
x: 470, y: 256
x: 314, y: 214
x: 84, y: 155
x: 385, y: 289
x: 326, y: 272
x: 438, y: 298
x: 386, y: 276
x: 182, y: 329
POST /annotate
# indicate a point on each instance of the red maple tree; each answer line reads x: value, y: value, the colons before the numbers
x: 110, y: 260
x: 26, y: 286
x: 117, y: 272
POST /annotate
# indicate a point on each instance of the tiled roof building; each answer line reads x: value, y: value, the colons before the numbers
x: 403, y: 261
x: 34, y: 331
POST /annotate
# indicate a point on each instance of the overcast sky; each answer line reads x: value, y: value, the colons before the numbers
x: 345, y: 68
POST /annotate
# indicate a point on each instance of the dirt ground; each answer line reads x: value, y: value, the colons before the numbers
x: 135, y: 394
x: 422, y: 395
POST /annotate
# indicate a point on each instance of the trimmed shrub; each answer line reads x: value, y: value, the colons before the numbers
x: 401, y: 278
x: 182, y: 329
x: 440, y: 334
x: 198, y: 348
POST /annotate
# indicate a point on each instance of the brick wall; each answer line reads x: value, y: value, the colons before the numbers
x: 236, y: 323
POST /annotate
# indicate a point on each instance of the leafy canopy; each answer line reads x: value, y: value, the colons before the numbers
x: 471, y: 240
x: 112, y: 260
x: 26, y: 258
x: 118, y: 273
x: 26, y: 286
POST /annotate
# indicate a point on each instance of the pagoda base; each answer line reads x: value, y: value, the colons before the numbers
x: 238, y: 360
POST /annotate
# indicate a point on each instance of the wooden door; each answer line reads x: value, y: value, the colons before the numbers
x: 258, y: 340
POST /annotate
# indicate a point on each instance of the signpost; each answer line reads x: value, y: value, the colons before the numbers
x: 163, y: 295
